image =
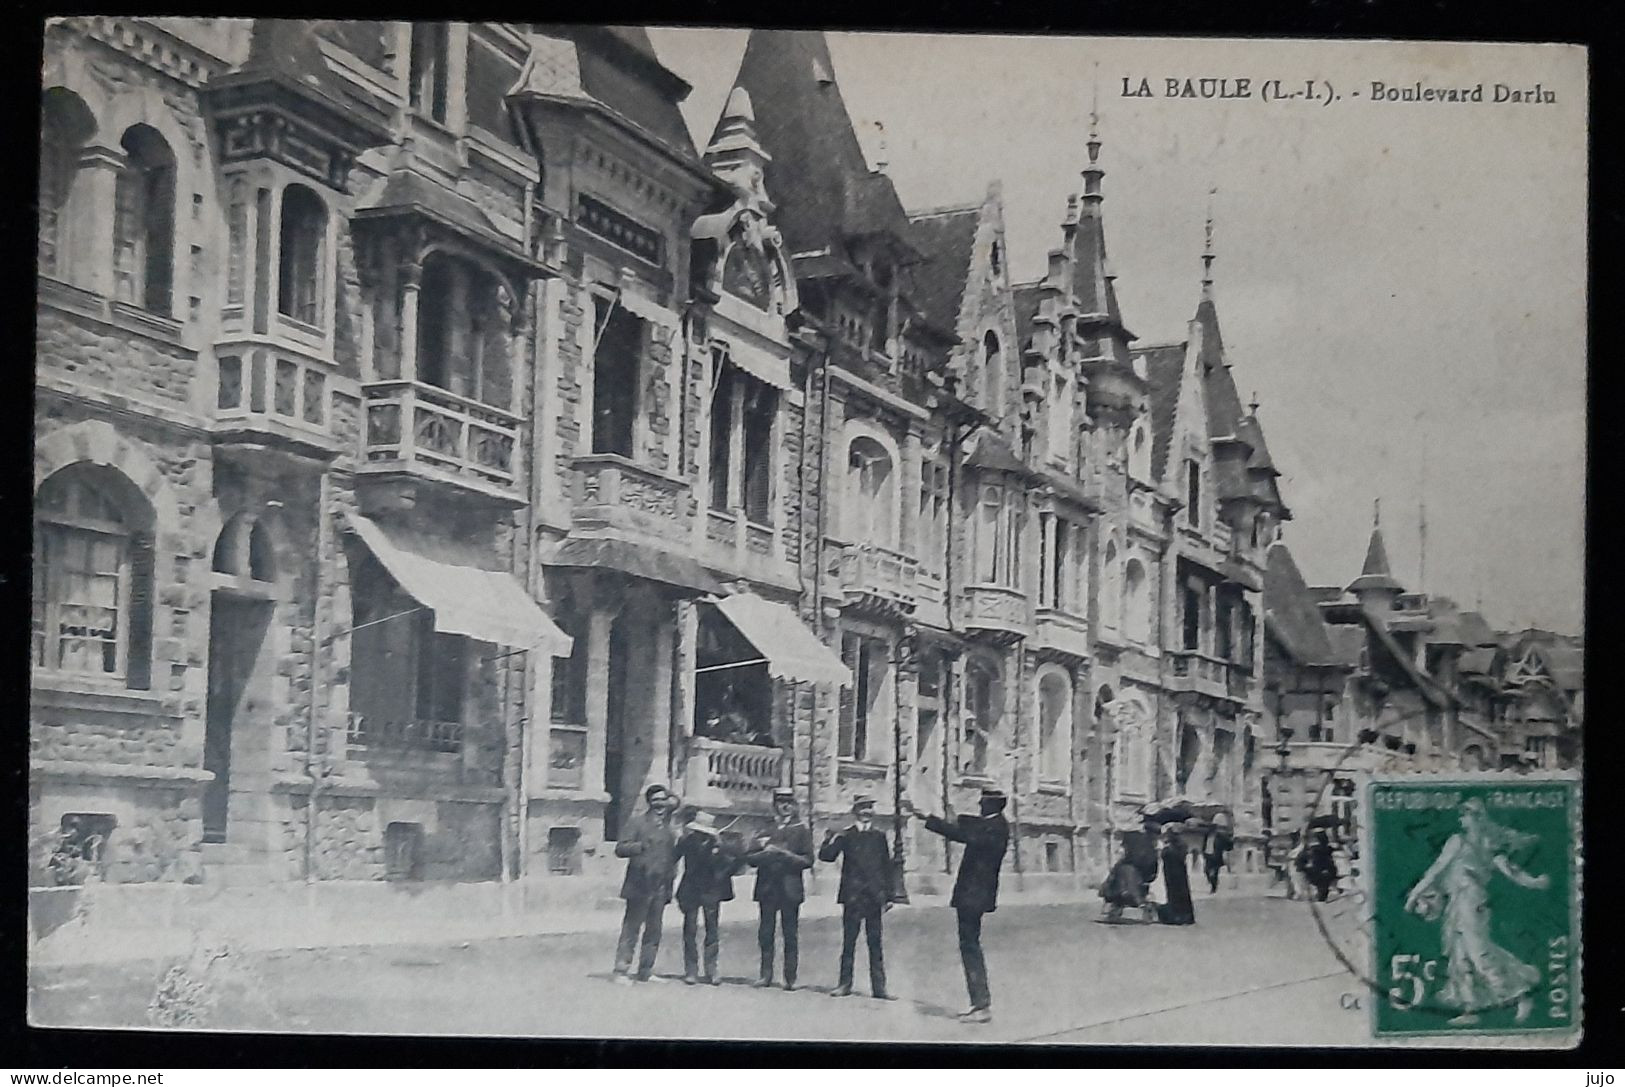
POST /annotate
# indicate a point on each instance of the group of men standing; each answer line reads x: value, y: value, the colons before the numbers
x: 711, y: 856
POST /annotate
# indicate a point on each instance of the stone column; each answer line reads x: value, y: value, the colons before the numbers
x: 601, y: 615
x: 89, y: 248
x: 908, y: 488
x: 687, y: 631
x: 411, y: 280
x: 660, y: 701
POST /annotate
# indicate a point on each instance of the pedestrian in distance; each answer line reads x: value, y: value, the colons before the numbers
x: 1319, y: 866
x: 779, y: 856
x: 1177, y: 909
x: 864, y: 895
x: 976, y: 889
x: 711, y: 858
x: 649, y: 844
x: 1213, y: 852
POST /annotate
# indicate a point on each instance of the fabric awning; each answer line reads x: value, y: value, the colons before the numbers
x: 639, y: 305
x: 490, y: 605
x: 759, y: 364
x: 792, y: 651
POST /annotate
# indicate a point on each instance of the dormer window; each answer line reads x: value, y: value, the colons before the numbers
x: 144, y: 221
x: 1193, y: 494
x: 431, y: 48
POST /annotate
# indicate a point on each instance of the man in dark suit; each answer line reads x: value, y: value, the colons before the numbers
x: 864, y: 894
x: 711, y: 858
x: 779, y: 856
x: 976, y: 890
x: 650, y: 845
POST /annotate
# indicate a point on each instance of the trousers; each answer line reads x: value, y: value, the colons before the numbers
x: 713, y: 938
x: 970, y: 953
x: 771, y: 914
x: 867, y: 916
x: 641, y: 914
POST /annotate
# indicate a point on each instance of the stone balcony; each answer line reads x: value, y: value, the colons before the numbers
x: 613, y: 491
x: 1061, y: 632
x: 1198, y: 673
x: 433, y: 436
x: 268, y: 399
x: 879, y: 577
x: 997, y: 612
x: 731, y: 775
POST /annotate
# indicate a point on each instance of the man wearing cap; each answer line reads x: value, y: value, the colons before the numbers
x: 710, y: 859
x: 779, y: 856
x: 865, y: 892
x: 650, y: 845
x: 976, y: 889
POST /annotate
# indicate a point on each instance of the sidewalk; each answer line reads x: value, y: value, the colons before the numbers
x: 399, y: 918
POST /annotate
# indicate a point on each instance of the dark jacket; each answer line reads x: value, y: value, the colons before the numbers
x: 866, y: 873
x: 985, y: 838
x: 709, y: 867
x: 650, y: 846
x: 779, y: 864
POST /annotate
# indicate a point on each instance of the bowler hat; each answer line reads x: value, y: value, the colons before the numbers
x: 862, y: 800
x: 993, y: 792
x: 654, y: 791
x: 704, y: 822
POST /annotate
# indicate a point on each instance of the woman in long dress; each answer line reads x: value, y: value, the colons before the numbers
x: 1176, y: 908
x: 1480, y: 973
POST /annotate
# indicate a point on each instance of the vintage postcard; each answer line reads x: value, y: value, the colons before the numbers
x: 635, y: 532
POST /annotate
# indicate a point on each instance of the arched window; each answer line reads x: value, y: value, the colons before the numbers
x: 303, y: 260
x: 65, y: 124
x: 989, y: 538
x: 1054, y: 725
x: 992, y: 373
x: 244, y: 550
x: 144, y: 221
x: 871, y: 490
x: 93, y: 572
x: 1111, y: 600
x: 984, y: 708
x: 1133, y: 748
x: 1137, y: 600
x: 463, y: 335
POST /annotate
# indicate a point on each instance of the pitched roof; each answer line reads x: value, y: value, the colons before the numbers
x: 945, y: 240
x: 1290, y: 612
x: 1092, y: 285
x: 1478, y: 662
x: 1566, y: 663
x: 1165, y: 375
x: 1475, y: 629
x: 644, y: 91
x: 817, y: 172
x: 993, y: 453
x: 1347, y: 642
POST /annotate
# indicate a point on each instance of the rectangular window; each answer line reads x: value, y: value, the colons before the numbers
x: 1193, y: 494
x: 617, y: 365
x: 861, y: 703
x: 1192, y: 618
x: 1016, y: 525
x: 430, y: 49
x: 491, y: 74
x: 987, y: 536
x: 761, y: 406
x: 722, y: 397
x: 1223, y: 631
x: 441, y: 673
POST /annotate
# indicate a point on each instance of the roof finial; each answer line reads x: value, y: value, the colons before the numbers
x: 1376, y: 513
x: 1207, y: 247
x: 881, y: 154
x: 1253, y: 404
x: 1093, y: 172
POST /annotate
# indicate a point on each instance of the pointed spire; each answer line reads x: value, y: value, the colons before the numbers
x: 1093, y: 172
x: 1375, y: 575
x: 1207, y: 247
x: 882, y: 154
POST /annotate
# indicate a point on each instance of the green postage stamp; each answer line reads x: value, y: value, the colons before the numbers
x: 1475, y: 885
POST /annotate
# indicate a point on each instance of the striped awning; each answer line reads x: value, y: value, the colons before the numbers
x: 789, y: 649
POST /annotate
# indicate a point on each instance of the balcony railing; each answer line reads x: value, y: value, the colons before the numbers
x: 997, y: 610
x: 614, y: 490
x: 411, y: 423
x: 719, y: 772
x: 412, y: 734
x: 1061, y: 631
x: 1198, y: 672
x: 880, y: 574
x: 270, y: 393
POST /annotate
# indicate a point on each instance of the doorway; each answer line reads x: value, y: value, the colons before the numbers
x: 236, y: 702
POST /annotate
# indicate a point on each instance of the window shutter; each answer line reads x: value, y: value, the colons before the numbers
x: 138, y: 653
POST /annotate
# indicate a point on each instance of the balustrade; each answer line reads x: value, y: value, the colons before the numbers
x: 414, y: 423
x: 719, y: 770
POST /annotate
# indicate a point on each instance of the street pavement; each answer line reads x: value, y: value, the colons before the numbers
x: 1251, y: 970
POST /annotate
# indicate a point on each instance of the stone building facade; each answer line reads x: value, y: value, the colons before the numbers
x: 436, y: 447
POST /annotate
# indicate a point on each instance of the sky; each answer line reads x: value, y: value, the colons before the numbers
x: 1402, y: 284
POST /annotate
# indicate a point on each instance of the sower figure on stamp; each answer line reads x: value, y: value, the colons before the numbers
x: 780, y: 856
x: 976, y: 889
x: 650, y: 845
x: 710, y: 861
x: 864, y: 894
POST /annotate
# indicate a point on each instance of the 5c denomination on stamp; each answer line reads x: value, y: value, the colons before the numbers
x: 1475, y: 904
